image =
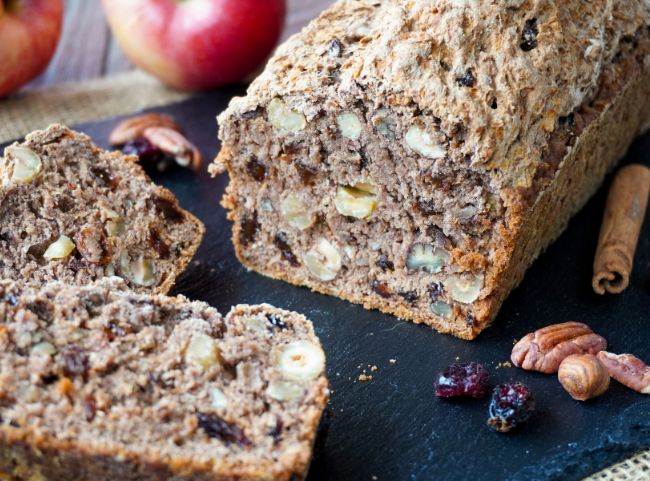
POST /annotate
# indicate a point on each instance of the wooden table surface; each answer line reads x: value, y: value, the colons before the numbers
x: 87, y: 50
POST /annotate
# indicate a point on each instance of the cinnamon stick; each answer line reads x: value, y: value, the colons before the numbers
x: 619, y: 233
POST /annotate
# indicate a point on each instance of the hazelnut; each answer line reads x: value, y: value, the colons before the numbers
x: 140, y: 271
x: 464, y: 288
x: 428, y: 258
x: 202, y: 351
x: 358, y: 201
x: 323, y: 260
x: 349, y: 125
x: 296, y: 213
x: 44, y: 349
x: 218, y: 399
x: 300, y: 361
x: 27, y: 163
x: 422, y: 142
x: 284, y: 391
x: 441, y: 308
x: 583, y: 376
x: 59, y: 249
x: 284, y: 118
x: 114, y: 225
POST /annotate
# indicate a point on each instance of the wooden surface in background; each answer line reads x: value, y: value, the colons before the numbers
x: 87, y: 50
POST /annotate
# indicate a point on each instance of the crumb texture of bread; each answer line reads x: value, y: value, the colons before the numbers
x: 416, y: 158
x: 103, y: 384
x: 75, y: 213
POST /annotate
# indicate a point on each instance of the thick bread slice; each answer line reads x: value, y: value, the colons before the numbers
x: 100, y: 384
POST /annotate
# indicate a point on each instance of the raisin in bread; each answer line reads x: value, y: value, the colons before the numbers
x: 75, y: 213
x: 101, y: 384
x: 416, y: 157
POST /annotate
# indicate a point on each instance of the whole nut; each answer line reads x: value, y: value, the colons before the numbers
x: 427, y: 257
x: 43, y: 349
x: 349, y: 125
x: 423, y: 143
x: 544, y: 349
x: 441, y: 308
x: 300, y: 361
x: 27, y: 163
x: 627, y: 369
x: 134, y: 127
x: 202, y: 351
x: 296, y: 212
x: 284, y: 118
x: 59, y: 249
x: 141, y: 271
x: 583, y: 376
x: 464, y: 288
x: 323, y: 261
x: 358, y: 201
x: 174, y: 144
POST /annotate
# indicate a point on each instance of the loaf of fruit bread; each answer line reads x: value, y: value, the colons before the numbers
x: 102, y: 384
x: 75, y: 213
x: 417, y: 156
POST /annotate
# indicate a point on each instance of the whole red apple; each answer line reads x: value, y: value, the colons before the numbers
x: 197, y: 44
x: 29, y: 33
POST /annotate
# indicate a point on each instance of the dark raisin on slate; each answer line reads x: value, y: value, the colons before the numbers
x: 529, y: 35
x: 217, y: 428
x: 469, y: 379
x: 385, y: 264
x: 470, y: 320
x: 335, y: 48
x: 75, y: 361
x: 49, y: 379
x: 249, y: 227
x: 158, y: 244
x: 467, y: 79
x: 280, y: 241
x: 256, y: 169
x: 275, y: 321
x: 167, y: 208
x: 512, y: 404
x: 104, y: 177
x: 435, y: 291
x: 144, y: 151
x: 276, y: 430
x: 409, y: 296
x: 381, y: 288
x: 493, y: 104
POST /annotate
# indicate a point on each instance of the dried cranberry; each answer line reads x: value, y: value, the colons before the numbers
x: 144, y: 150
x: 512, y: 404
x: 385, y: 264
x: 276, y: 321
x: 104, y: 177
x: 158, y: 244
x: 168, y: 209
x: 75, y: 361
x: 467, y: 79
x: 410, y: 296
x: 249, y: 228
x: 469, y: 379
x: 381, y: 288
x: 280, y: 241
x: 529, y: 35
x: 218, y: 428
x: 256, y: 169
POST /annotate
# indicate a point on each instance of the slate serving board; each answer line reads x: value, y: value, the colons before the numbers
x: 393, y: 428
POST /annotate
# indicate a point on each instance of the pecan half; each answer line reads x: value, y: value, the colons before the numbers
x: 134, y: 127
x: 544, y: 349
x: 627, y: 369
x: 174, y: 144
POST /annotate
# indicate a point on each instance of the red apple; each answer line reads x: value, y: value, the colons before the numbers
x: 29, y: 33
x: 197, y: 44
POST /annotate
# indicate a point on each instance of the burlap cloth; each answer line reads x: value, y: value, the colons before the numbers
x: 125, y: 93
x: 81, y: 102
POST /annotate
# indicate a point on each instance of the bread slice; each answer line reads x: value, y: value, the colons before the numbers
x: 101, y: 384
x: 417, y: 160
x: 75, y: 213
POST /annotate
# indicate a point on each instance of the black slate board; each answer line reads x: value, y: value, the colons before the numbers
x: 393, y: 428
